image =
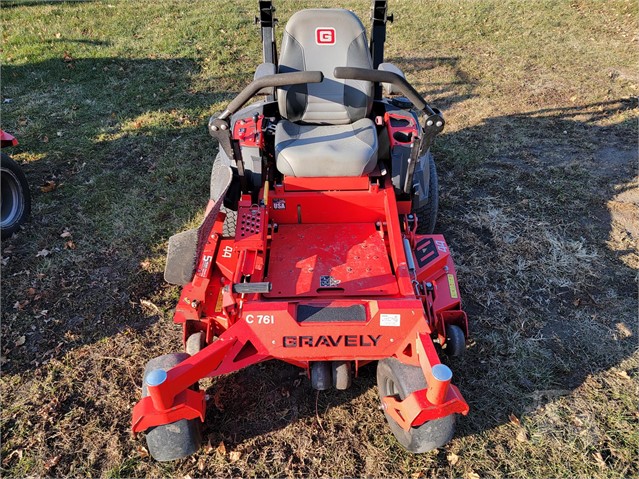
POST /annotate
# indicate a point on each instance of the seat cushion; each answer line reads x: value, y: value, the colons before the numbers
x: 326, y: 150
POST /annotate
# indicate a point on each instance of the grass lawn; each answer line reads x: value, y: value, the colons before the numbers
x: 539, y: 203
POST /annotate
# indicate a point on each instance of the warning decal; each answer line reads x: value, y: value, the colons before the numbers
x: 452, y: 287
x: 390, y: 320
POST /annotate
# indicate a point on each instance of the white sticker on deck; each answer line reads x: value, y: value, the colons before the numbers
x: 389, y: 319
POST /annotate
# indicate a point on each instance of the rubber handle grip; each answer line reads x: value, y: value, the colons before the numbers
x: 379, y: 76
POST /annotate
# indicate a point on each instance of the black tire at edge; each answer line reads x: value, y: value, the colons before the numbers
x: 177, y: 439
x: 396, y: 378
x: 10, y: 164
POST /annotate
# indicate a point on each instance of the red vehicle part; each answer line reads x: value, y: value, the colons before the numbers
x: 301, y: 285
x: 248, y: 131
x: 402, y: 129
x: 7, y: 140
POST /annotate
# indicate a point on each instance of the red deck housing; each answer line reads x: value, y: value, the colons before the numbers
x: 342, y: 288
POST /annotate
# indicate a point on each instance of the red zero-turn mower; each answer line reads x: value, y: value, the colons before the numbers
x: 309, y: 251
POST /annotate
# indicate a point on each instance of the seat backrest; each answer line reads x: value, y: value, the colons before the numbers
x: 322, y: 39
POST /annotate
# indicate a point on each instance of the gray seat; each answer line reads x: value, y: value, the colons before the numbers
x: 326, y: 150
x: 325, y: 130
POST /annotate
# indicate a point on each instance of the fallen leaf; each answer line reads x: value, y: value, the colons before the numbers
x: 52, y: 462
x: 142, y: 451
x: 417, y: 475
x: 48, y: 186
x: 43, y: 253
x: 208, y: 447
x: 522, y: 436
x: 31, y: 292
x: 65, y: 234
x: 452, y: 458
x: 221, y: 448
x: 66, y: 58
x: 45, y: 139
x: 69, y: 245
x: 623, y: 374
x: 217, y: 400
x: 21, y: 340
x: 472, y: 475
x: 624, y: 330
x: 600, y: 461
x: 234, y: 456
x: 19, y: 305
x: 149, y: 304
x: 16, y: 452
x: 58, y: 35
x: 514, y: 419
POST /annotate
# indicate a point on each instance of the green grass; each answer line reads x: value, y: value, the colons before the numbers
x: 537, y: 165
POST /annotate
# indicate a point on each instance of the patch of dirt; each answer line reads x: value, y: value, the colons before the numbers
x: 624, y: 232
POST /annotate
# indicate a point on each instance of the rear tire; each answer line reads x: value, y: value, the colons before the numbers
x: 228, y: 229
x: 397, y: 379
x: 427, y: 214
x: 16, y: 198
x: 177, y: 439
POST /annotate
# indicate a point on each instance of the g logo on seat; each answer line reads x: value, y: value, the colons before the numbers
x: 325, y: 36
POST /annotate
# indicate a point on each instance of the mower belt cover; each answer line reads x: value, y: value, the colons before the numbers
x: 185, y: 247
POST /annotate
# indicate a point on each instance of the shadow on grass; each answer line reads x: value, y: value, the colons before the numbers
x: 127, y: 187
x: 119, y: 157
x: 527, y: 211
x: 38, y: 3
x: 440, y: 94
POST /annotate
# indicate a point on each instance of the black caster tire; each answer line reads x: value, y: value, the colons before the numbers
x: 427, y: 214
x: 195, y: 343
x: 16, y: 198
x: 455, y: 341
x: 321, y: 375
x: 397, y: 379
x: 342, y: 375
x: 180, y: 438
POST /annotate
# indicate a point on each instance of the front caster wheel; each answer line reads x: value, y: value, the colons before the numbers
x: 455, y: 341
x: 177, y: 439
x: 397, y: 379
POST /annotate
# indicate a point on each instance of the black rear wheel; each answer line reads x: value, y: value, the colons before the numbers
x: 427, y: 213
x: 397, y: 379
x: 177, y: 439
x: 16, y: 199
